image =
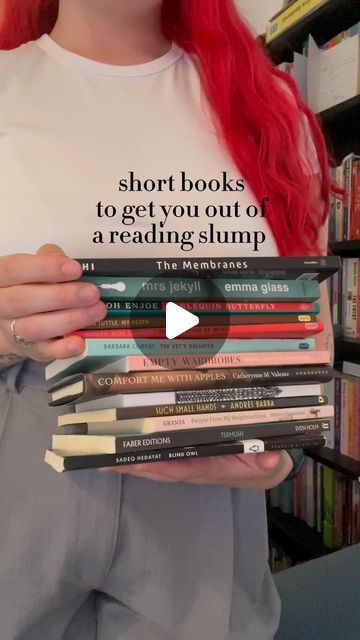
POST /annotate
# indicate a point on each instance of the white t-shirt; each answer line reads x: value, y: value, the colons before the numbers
x: 71, y: 128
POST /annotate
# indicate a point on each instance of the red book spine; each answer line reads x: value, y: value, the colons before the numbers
x: 291, y: 330
x: 246, y: 307
x: 355, y: 202
x: 357, y: 300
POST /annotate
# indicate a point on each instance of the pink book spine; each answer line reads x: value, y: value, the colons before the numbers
x: 236, y: 418
x: 231, y: 360
x: 356, y: 421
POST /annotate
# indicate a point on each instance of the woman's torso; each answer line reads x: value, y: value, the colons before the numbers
x: 71, y: 128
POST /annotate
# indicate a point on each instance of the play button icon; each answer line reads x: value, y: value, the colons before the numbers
x: 165, y: 322
x: 178, y: 320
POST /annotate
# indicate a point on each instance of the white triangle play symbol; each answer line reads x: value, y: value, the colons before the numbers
x: 178, y: 320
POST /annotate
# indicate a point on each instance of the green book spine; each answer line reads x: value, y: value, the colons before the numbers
x: 256, y: 290
x: 151, y: 288
x: 197, y: 289
x: 329, y: 489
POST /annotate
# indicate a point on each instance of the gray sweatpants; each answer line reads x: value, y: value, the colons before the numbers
x: 87, y: 555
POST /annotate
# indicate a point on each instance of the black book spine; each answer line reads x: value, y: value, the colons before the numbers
x: 168, y: 410
x: 191, y: 408
x: 211, y: 435
x: 186, y: 453
x: 317, y: 268
x: 214, y: 435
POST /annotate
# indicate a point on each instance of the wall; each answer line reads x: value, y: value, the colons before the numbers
x: 259, y: 12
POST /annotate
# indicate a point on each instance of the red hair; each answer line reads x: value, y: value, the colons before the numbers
x: 257, y: 108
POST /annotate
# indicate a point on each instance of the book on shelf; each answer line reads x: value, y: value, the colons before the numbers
x: 345, y: 300
x: 325, y: 500
x: 290, y: 16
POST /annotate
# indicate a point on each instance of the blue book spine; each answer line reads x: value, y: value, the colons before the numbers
x: 100, y: 347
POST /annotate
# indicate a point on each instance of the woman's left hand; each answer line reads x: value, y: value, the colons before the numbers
x: 242, y: 471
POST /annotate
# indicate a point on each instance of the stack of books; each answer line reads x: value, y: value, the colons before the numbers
x: 247, y: 376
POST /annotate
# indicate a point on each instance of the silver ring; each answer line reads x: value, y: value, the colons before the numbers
x: 18, y: 339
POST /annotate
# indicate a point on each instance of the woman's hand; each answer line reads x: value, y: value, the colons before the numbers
x: 243, y: 471
x: 36, y: 291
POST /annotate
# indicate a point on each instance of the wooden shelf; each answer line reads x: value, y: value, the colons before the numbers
x: 346, y: 248
x: 296, y: 539
x: 337, y: 461
x: 323, y: 23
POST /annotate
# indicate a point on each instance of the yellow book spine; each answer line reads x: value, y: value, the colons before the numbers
x: 290, y: 16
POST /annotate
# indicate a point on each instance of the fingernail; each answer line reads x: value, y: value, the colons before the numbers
x: 89, y: 293
x: 97, y: 311
x: 71, y: 269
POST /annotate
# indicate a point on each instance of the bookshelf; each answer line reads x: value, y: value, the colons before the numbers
x: 294, y: 537
x: 341, y: 128
x: 346, y: 249
x: 323, y: 23
x: 335, y: 460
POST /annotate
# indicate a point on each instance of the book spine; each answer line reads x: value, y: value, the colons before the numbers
x: 350, y: 441
x: 142, y: 322
x: 289, y: 16
x: 356, y: 408
x: 339, y: 204
x: 356, y: 201
x: 357, y: 299
x: 344, y: 426
x: 296, y: 330
x: 185, y: 453
x: 248, y: 307
x: 177, y: 438
x: 131, y: 307
x: 99, y: 385
x: 233, y: 360
x: 257, y: 290
x: 252, y: 267
x: 337, y: 404
x: 233, y: 419
x: 150, y: 288
x: 100, y: 347
x: 156, y: 411
x: 218, y: 288
x: 347, y: 202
